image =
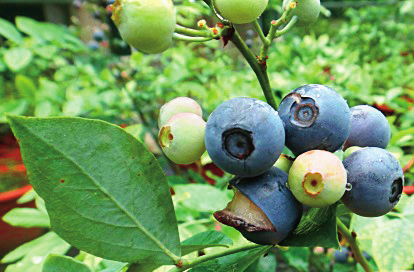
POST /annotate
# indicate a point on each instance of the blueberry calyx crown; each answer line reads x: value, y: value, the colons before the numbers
x: 238, y: 143
x: 303, y: 111
x: 396, y: 190
x: 312, y: 184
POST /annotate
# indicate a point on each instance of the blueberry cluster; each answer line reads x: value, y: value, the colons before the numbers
x: 245, y: 137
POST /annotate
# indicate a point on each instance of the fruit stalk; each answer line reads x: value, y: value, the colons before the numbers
x: 192, y: 32
x: 259, y: 69
x: 359, y: 257
x: 273, y: 32
x: 192, y: 263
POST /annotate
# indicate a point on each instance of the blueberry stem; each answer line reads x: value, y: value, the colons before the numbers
x: 186, y: 264
x: 259, y: 31
x: 193, y: 32
x: 181, y: 37
x: 274, y: 33
x: 259, y: 68
x: 359, y: 257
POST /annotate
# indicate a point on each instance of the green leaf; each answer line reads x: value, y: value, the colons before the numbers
x: 44, y: 109
x: 59, y: 263
x: 408, y: 210
x: 27, y: 218
x: 15, y: 107
x: 400, y: 134
x: 17, y: 58
x: 9, y: 31
x: 393, y: 245
x: 33, y: 253
x: 365, y: 228
x: 265, y: 263
x: 237, y: 262
x: 199, y: 197
x: 29, y: 27
x: 138, y: 131
x: 25, y: 86
x: 316, y: 228
x: 104, y: 191
x: 27, y: 197
x: 205, y: 240
x: 297, y: 257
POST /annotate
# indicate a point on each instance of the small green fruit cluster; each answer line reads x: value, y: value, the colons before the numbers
x: 181, y: 135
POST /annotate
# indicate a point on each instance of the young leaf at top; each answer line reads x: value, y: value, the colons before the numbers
x: 316, y: 228
x: 104, y: 191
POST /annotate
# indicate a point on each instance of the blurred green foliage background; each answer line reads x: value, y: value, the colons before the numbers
x: 365, y: 52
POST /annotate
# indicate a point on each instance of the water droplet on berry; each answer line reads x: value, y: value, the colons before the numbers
x: 348, y: 187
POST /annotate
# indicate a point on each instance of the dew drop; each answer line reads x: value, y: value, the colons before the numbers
x: 348, y: 187
x: 318, y: 95
x: 380, y: 160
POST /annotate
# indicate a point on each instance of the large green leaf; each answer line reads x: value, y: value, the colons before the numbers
x: 365, y: 228
x: 237, y: 262
x: 17, y: 58
x: 59, y: 263
x: 104, y: 191
x: 32, y: 254
x: 27, y: 218
x: 205, y: 240
x: 9, y: 31
x: 316, y: 228
x: 393, y: 245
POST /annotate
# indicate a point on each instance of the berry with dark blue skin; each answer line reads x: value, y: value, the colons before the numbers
x: 93, y: 45
x: 98, y: 35
x: 315, y: 117
x: 341, y: 256
x: 369, y: 127
x: 377, y: 181
x: 244, y: 136
x: 263, y: 208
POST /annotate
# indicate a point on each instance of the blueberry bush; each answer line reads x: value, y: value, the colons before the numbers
x: 107, y: 199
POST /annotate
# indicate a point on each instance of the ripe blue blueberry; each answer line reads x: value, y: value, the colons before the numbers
x: 263, y: 209
x: 98, y: 35
x: 93, y: 45
x: 315, y: 117
x: 377, y: 181
x: 341, y: 256
x: 369, y: 127
x: 244, y: 136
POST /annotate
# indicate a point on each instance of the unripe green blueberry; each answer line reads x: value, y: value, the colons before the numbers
x: 178, y: 105
x: 240, y: 11
x: 306, y: 10
x: 182, y: 138
x: 146, y: 25
x: 317, y: 178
